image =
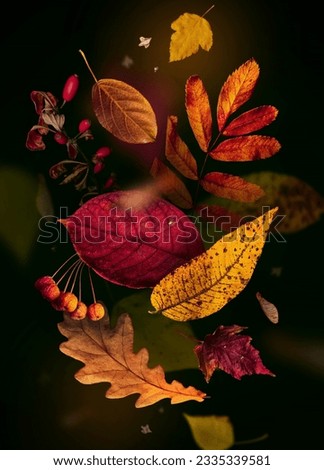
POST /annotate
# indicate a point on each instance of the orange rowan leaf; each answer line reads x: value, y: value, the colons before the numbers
x: 231, y: 187
x: 251, y: 121
x: 246, y: 148
x: 236, y: 91
x: 198, y: 111
x: 124, y: 111
x: 206, y: 283
x: 107, y: 354
x: 177, y: 152
x: 170, y: 186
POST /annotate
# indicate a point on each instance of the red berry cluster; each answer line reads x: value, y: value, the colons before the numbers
x: 67, y: 301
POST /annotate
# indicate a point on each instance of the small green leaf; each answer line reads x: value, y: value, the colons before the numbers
x: 211, y: 432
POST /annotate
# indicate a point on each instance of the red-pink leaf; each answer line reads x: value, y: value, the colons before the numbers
x: 132, y: 244
x: 246, y: 148
x: 34, y: 140
x: 251, y: 121
x: 232, y: 353
x: 231, y: 187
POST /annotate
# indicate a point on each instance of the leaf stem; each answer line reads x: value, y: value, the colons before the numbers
x: 87, y: 64
x: 207, y: 11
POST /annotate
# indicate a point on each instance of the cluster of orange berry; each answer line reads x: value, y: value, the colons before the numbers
x: 67, y: 301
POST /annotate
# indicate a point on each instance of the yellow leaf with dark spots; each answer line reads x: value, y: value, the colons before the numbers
x: 209, y: 281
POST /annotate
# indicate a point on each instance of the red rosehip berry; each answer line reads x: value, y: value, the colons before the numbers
x: 98, y: 168
x: 70, y: 88
x: 110, y: 181
x: 60, y: 138
x: 84, y: 125
x: 103, y: 152
x: 95, y: 311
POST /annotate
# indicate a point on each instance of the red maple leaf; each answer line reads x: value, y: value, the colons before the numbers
x: 226, y: 350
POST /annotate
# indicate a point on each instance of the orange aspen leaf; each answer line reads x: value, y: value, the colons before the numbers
x: 203, y: 285
x: 177, y: 152
x: 170, y: 186
x: 246, y: 148
x: 198, y: 111
x: 124, y: 111
x: 231, y: 187
x: 191, y: 31
x: 268, y: 308
x: 107, y: 354
x: 251, y: 121
x: 236, y: 91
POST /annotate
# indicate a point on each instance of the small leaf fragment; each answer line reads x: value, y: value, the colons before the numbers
x: 230, y: 352
x: 231, y: 187
x: 211, y: 432
x: 108, y: 356
x: 268, y: 308
x: 236, y: 91
x: 191, y: 31
x: 124, y: 112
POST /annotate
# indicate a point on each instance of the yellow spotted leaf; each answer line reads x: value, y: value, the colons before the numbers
x: 209, y: 281
x: 124, y: 112
x: 211, y: 432
x: 190, y: 32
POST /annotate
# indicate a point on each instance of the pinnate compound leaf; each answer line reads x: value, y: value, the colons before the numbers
x: 246, y: 148
x: 132, y: 245
x: 211, y: 432
x: 191, y: 31
x: 206, y: 283
x: 251, y: 121
x: 170, y: 186
x: 230, y: 352
x: 268, y: 308
x: 198, y: 111
x: 177, y: 152
x: 108, y: 356
x: 236, y: 91
x: 231, y: 187
x: 124, y: 112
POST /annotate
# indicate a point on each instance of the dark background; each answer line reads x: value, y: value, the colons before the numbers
x: 42, y: 405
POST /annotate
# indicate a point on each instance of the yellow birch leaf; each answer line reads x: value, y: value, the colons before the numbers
x: 211, y: 432
x: 123, y: 111
x: 191, y: 31
x: 209, y: 281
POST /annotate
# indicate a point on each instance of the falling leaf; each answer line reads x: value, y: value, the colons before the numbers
x: 211, y: 432
x: 127, y: 62
x: 124, y: 111
x: 230, y: 352
x: 198, y: 111
x: 132, y: 246
x: 170, y: 186
x: 145, y: 429
x: 191, y: 31
x: 251, y: 121
x: 231, y: 187
x: 299, y: 204
x: 145, y: 42
x: 107, y: 354
x: 246, y: 148
x: 177, y: 152
x: 236, y: 91
x: 268, y: 308
x: 206, y: 283
x: 168, y: 343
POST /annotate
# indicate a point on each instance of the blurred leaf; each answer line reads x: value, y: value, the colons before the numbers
x: 124, y: 112
x: 231, y: 187
x: 169, y: 343
x: 18, y: 210
x: 211, y: 432
x: 191, y: 31
x: 236, y: 91
x: 44, y: 202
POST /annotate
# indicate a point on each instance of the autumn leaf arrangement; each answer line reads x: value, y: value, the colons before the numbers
x: 147, y: 239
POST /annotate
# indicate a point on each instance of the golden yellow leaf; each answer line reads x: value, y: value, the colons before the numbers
x: 236, y: 91
x: 124, y: 111
x: 108, y: 357
x: 210, y: 280
x: 191, y: 31
x: 211, y: 432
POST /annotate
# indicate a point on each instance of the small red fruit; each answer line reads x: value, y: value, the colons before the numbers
x: 47, y: 288
x: 98, y: 168
x: 96, y: 311
x: 66, y: 301
x: 80, y: 312
x: 70, y: 88
x: 103, y: 152
x: 60, y: 138
x: 84, y: 125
